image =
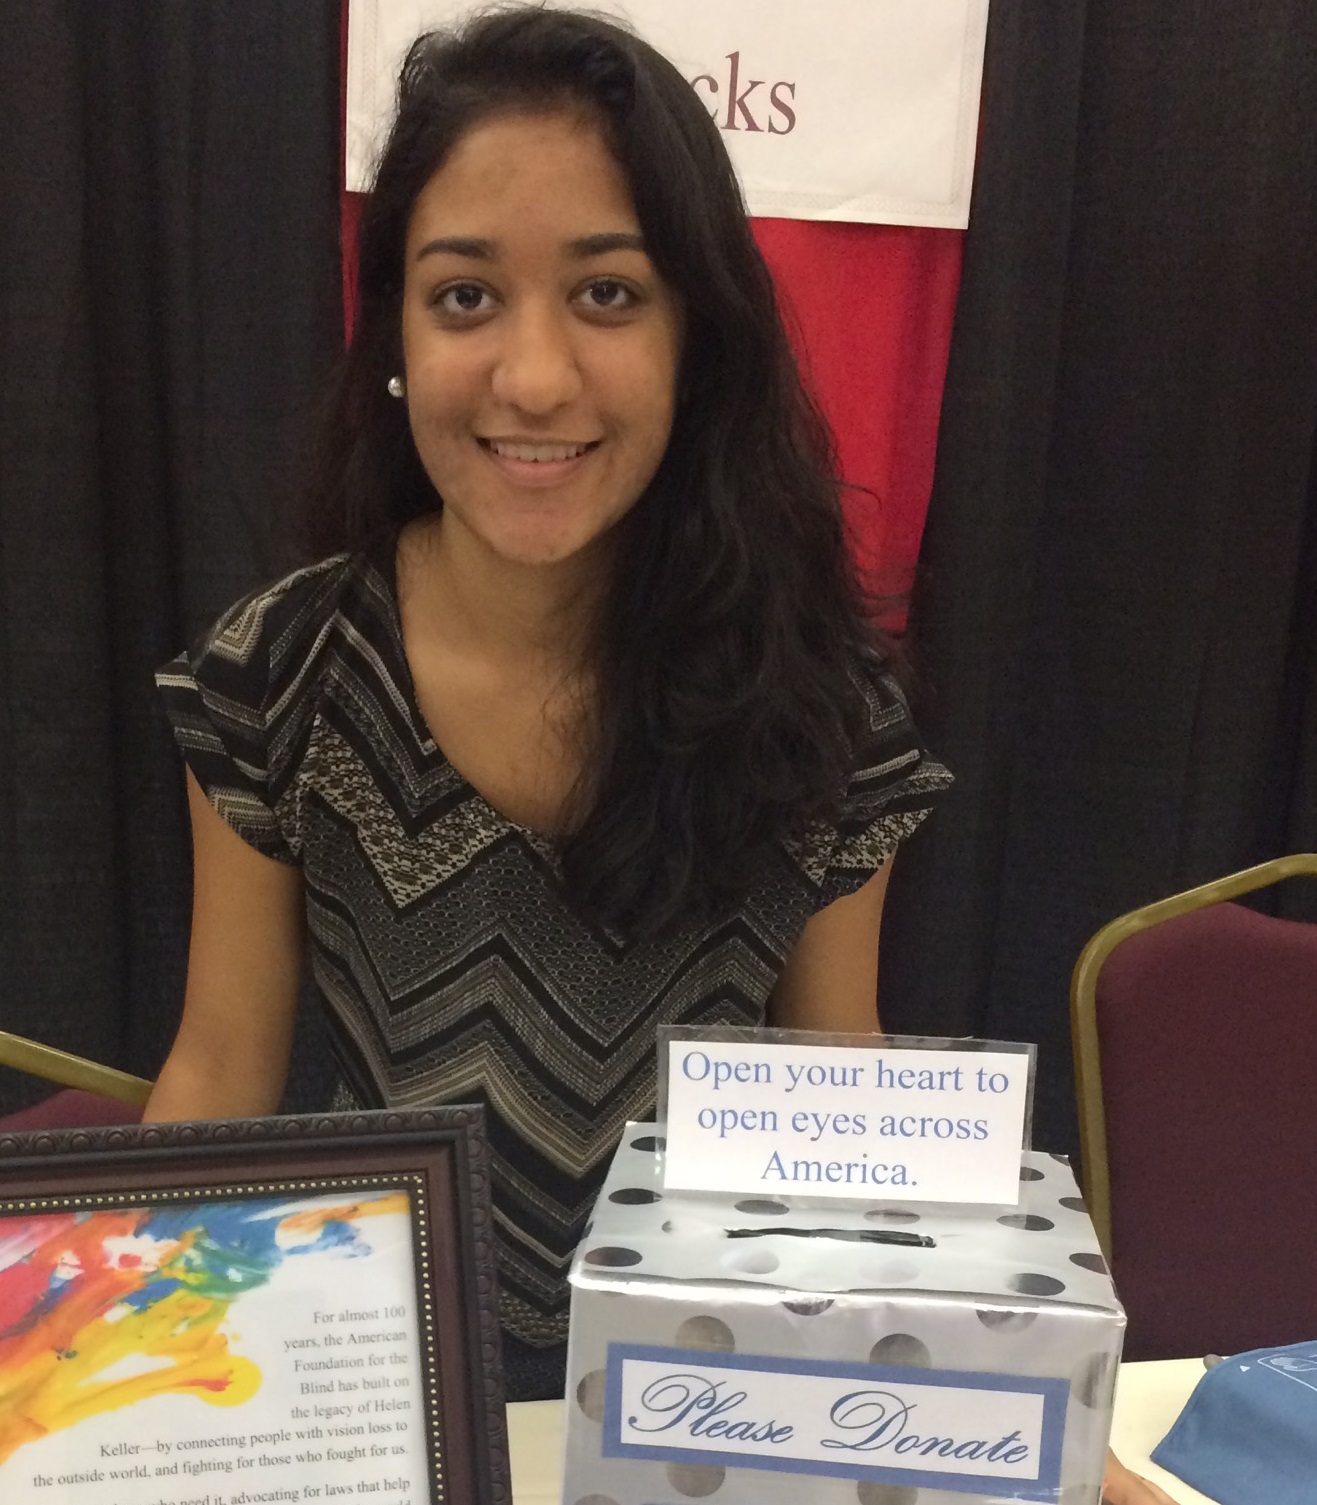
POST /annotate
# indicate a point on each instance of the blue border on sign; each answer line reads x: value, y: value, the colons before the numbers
x: 1045, y: 1488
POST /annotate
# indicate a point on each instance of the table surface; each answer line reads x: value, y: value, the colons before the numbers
x: 1148, y: 1399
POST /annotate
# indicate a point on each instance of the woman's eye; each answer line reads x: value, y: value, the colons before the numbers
x: 463, y: 298
x: 609, y: 295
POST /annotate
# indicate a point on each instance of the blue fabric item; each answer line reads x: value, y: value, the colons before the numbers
x: 1248, y: 1433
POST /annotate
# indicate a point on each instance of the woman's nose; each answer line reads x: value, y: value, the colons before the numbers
x: 537, y: 369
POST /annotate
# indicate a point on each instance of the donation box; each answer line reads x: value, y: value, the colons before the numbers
x: 778, y: 1349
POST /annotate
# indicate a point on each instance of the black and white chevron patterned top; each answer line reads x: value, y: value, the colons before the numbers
x: 451, y: 964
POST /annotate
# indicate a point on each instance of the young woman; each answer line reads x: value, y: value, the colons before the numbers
x: 577, y: 726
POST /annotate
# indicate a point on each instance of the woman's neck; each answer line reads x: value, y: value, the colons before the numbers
x: 499, y: 659
x: 528, y: 618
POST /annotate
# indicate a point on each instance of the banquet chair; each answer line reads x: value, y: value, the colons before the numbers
x: 93, y: 1095
x: 1194, y: 1024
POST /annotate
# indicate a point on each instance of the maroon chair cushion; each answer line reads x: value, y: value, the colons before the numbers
x: 71, y: 1109
x: 1208, y: 1033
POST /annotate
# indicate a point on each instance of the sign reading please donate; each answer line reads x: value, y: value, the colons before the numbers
x: 979, y: 1433
x: 854, y: 1122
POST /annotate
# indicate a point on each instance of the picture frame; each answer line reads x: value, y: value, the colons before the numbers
x: 277, y: 1309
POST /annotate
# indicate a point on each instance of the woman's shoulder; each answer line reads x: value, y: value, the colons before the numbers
x: 271, y: 647
x: 885, y: 727
x: 276, y: 616
x: 891, y: 768
x: 894, y: 784
x: 240, y: 700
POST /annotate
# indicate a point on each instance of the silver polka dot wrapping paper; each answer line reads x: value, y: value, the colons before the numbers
x: 683, y: 1284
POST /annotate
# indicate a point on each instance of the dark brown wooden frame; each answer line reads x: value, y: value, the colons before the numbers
x: 438, y: 1154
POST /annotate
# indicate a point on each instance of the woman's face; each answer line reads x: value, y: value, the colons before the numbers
x: 540, y: 345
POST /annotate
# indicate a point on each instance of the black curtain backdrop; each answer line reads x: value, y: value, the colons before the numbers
x: 1115, y: 617
x: 168, y: 300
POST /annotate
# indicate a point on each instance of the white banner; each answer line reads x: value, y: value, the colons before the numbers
x: 832, y: 109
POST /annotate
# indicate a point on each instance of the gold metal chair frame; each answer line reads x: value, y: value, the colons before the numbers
x: 71, y: 1071
x: 1083, y: 1011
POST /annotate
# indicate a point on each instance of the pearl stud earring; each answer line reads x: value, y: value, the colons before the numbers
x: 397, y: 387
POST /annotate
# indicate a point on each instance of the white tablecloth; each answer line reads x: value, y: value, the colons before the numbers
x: 1148, y: 1399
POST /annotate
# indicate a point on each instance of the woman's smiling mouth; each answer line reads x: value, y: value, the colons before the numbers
x: 538, y: 453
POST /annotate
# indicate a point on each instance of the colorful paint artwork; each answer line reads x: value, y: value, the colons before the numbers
x: 102, y: 1309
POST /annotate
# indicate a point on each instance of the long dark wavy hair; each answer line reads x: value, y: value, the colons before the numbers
x: 730, y: 645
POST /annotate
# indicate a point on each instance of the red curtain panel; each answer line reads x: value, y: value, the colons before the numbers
x: 870, y: 309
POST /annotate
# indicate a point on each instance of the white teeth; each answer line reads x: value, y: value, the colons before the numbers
x: 536, y: 453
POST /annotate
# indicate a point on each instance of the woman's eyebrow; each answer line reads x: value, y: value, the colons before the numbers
x: 458, y: 245
x: 601, y: 245
x: 582, y: 249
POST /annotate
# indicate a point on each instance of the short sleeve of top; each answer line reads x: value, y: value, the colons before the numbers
x: 893, y: 786
x: 239, y: 705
